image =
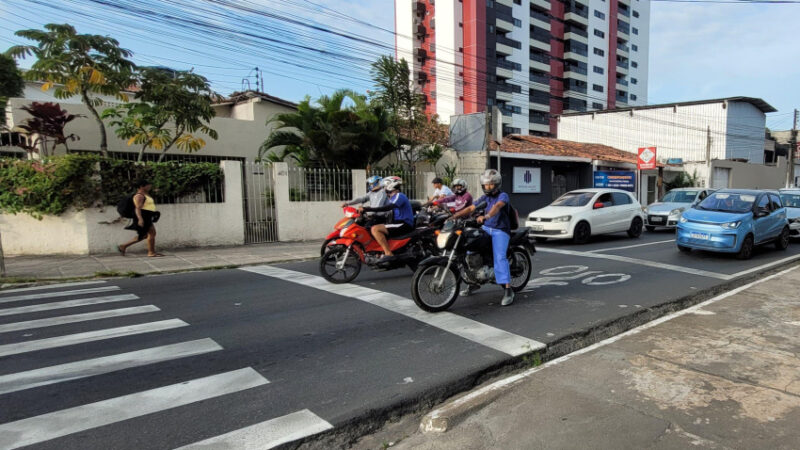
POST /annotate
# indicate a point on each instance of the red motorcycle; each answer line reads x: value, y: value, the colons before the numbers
x: 343, y: 255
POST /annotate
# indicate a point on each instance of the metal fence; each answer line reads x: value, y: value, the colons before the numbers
x: 320, y: 185
x: 413, y: 182
x: 259, y: 203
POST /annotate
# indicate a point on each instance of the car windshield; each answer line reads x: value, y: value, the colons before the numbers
x: 574, y: 199
x: 728, y: 202
x: 791, y: 200
x: 680, y: 197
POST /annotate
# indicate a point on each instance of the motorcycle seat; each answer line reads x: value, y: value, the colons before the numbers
x: 416, y: 206
x: 408, y: 235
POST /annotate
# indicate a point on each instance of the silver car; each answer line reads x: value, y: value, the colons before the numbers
x: 667, y: 212
x: 791, y: 200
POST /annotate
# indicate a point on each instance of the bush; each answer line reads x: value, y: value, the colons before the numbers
x: 51, y: 186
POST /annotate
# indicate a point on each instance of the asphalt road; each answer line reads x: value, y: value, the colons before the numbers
x: 266, y: 355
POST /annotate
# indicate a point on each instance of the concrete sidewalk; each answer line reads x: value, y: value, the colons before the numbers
x: 136, y: 260
x: 723, y: 374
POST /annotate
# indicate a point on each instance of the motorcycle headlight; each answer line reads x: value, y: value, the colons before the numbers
x: 562, y: 219
x: 684, y: 219
x: 731, y: 225
x: 441, y: 240
x: 676, y: 211
x: 343, y: 231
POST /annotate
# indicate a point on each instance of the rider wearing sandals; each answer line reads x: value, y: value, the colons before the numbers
x: 496, y: 223
x: 402, y: 220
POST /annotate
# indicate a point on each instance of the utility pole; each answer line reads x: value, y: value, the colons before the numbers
x: 486, y: 135
x: 790, y: 156
x: 708, y: 158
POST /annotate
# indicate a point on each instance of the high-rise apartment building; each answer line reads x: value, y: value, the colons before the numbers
x: 531, y: 58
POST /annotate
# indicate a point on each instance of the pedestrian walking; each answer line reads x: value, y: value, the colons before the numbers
x: 145, y: 216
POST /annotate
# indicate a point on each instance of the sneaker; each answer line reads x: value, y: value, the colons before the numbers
x: 468, y: 290
x: 508, y: 298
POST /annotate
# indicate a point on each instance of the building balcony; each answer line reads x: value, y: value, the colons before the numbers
x: 539, y: 78
x: 537, y: 64
x: 508, y: 3
x: 537, y: 97
x: 503, y: 50
x: 577, y: 37
x: 624, y: 12
x: 540, y: 20
x: 573, y: 90
x: 582, y: 56
x: 504, y: 96
x: 504, y: 23
x: 510, y: 65
x: 541, y: 127
x: 543, y: 119
x: 622, y: 67
x: 504, y: 73
x: 623, y: 28
x: 538, y: 44
x: 576, y: 18
x: 508, y: 42
x: 622, y: 82
x: 543, y: 4
x: 623, y: 50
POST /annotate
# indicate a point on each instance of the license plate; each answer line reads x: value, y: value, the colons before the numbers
x: 657, y: 219
x: 704, y: 236
x: 537, y: 227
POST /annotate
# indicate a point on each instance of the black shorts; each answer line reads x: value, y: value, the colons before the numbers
x: 398, y: 229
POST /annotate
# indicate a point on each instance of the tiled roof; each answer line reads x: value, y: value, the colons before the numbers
x: 536, y: 145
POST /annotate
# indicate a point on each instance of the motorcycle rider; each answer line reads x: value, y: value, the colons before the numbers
x: 460, y: 198
x: 497, y: 224
x: 439, y: 190
x: 376, y: 195
x: 402, y: 220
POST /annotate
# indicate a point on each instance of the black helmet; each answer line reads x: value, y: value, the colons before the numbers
x: 493, y: 177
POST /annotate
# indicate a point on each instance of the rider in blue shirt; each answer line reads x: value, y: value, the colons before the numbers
x: 402, y: 220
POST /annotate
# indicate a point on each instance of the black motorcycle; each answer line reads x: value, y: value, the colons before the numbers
x: 467, y: 256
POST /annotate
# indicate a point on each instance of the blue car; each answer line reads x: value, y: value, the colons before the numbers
x: 734, y: 221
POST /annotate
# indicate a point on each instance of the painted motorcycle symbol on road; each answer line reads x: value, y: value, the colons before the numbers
x: 563, y: 275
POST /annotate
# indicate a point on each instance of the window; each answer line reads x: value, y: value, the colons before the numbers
x: 597, y: 69
x: 599, y: 33
x: 635, y: 30
x: 775, y: 202
x: 518, y: 2
x: 597, y: 51
x: 634, y: 81
x: 635, y: 13
x: 635, y: 47
x: 763, y: 202
x: 491, y: 29
x: 634, y: 64
x: 490, y: 101
x: 489, y: 4
x: 596, y: 105
x: 517, y: 23
x: 597, y: 87
x: 606, y: 200
x: 599, y: 15
x: 633, y: 97
x: 621, y: 199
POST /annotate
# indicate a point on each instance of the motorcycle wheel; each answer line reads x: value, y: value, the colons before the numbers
x: 324, y: 247
x: 520, y: 269
x: 350, y: 269
x: 430, y: 297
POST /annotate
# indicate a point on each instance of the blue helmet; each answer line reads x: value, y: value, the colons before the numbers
x: 373, y: 182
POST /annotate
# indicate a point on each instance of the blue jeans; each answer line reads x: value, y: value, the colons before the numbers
x: 502, y: 273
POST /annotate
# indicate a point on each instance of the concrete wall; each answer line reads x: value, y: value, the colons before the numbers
x: 93, y: 230
x: 743, y: 175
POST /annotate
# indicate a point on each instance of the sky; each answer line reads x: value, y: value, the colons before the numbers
x: 312, y: 47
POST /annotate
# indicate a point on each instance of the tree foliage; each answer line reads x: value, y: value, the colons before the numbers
x: 172, y: 106
x: 11, y: 83
x: 47, y: 121
x: 77, y: 64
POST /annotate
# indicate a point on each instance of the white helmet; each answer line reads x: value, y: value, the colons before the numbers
x: 491, y: 176
x: 459, y: 182
x: 392, y: 183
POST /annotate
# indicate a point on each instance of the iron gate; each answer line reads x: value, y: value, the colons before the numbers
x: 260, y: 221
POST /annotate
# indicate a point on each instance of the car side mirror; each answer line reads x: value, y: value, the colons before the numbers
x: 762, y: 212
x: 598, y: 205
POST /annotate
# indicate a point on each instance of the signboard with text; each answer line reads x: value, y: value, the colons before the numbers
x: 527, y: 180
x: 616, y: 180
x: 647, y: 158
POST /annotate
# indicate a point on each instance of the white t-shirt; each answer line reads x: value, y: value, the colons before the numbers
x: 444, y: 190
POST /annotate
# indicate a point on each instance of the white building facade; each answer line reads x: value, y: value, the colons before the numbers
x: 532, y: 58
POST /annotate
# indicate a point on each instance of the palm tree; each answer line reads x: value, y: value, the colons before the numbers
x: 77, y: 64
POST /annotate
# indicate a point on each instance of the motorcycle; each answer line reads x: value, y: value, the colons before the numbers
x: 344, y: 256
x: 467, y: 256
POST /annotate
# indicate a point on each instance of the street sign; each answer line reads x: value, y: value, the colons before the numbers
x: 527, y: 180
x: 616, y: 180
x: 647, y: 158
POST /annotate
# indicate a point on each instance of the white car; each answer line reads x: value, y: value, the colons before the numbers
x: 578, y: 215
x: 791, y: 201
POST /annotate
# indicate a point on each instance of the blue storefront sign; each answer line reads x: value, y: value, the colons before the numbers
x: 616, y: 180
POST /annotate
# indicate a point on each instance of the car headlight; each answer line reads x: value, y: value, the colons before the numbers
x: 676, y: 211
x: 562, y: 219
x: 731, y: 225
x: 684, y: 219
x: 442, y: 239
x: 646, y: 210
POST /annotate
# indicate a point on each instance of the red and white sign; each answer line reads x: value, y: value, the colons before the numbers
x: 647, y: 158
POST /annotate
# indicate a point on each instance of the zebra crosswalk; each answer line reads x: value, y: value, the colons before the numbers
x: 40, y: 311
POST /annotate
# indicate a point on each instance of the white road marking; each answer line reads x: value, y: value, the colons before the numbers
x: 641, y: 262
x: 49, y: 426
x: 43, y: 295
x: 268, y: 434
x: 514, y: 379
x: 766, y: 266
x: 629, y: 246
x: 483, y: 334
x: 74, y: 318
x: 50, y: 286
x: 97, y: 366
x: 67, y: 304
x: 89, y: 336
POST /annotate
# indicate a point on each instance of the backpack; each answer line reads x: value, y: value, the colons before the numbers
x: 126, y: 208
x: 513, y: 217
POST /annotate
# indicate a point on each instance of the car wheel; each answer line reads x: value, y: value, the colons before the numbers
x: 636, y: 227
x: 746, y: 252
x: 684, y: 249
x: 541, y: 239
x: 650, y: 228
x: 582, y: 233
x: 783, y: 240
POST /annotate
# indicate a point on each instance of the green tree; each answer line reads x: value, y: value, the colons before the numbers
x: 11, y: 83
x: 77, y: 64
x: 172, y: 105
x: 394, y: 91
